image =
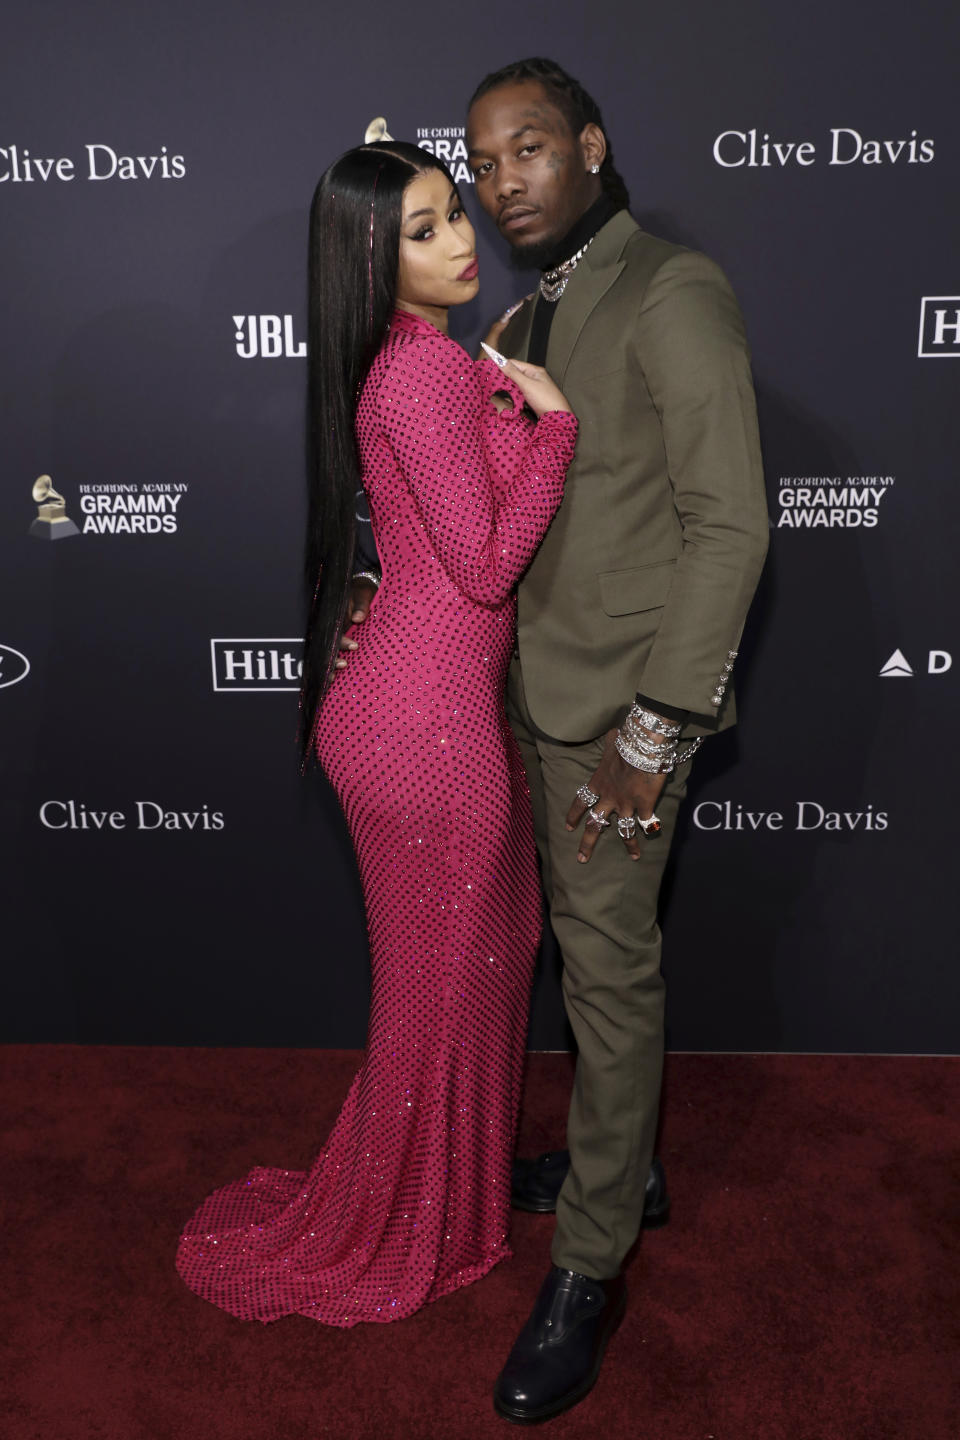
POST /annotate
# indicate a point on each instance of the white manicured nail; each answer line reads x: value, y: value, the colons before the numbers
x: 495, y: 355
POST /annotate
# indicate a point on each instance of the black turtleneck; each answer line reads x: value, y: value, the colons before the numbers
x: 592, y: 220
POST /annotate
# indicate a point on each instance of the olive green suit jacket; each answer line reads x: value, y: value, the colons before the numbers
x: 644, y: 578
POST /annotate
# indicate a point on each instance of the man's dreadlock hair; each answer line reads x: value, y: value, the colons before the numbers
x: 575, y: 104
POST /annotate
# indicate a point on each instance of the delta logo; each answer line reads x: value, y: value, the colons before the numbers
x: 898, y: 667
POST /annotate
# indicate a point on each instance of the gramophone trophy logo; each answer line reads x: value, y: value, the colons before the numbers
x: 52, y: 522
x: 377, y: 130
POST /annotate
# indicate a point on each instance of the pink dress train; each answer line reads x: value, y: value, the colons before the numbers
x: 409, y: 1199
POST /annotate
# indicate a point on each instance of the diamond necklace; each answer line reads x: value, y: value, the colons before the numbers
x: 554, y: 282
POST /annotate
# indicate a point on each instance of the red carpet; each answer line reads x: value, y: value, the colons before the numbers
x: 806, y: 1287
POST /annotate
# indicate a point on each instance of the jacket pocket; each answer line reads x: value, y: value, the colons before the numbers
x: 645, y: 587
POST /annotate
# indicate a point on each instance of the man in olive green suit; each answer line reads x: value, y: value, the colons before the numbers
x: 635, y: 603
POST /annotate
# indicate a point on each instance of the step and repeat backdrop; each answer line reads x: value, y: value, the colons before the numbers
x: 168, y: 877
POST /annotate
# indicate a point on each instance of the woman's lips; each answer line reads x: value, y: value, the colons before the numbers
x: 471, y: 271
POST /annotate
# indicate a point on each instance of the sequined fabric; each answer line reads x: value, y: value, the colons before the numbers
x: 409, y: 1199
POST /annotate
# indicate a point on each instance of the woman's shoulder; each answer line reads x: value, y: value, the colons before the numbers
x: 413, y: 335
x: 422, y: 351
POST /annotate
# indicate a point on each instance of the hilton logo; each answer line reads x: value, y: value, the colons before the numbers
x: 939, y: 327
x: 256, y: 666
x: 269, y: 336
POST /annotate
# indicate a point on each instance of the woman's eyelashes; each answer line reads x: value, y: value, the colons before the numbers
x: 426, y: 232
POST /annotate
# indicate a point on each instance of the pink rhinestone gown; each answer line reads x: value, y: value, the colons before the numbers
x: 409, y: 1199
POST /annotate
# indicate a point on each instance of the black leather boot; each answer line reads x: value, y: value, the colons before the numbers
x: 536, y: 1184
x: 558, y: 1353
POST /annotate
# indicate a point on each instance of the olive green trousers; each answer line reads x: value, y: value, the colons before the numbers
x: 604, y: 916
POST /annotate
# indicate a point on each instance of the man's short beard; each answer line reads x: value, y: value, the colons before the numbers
x: 533, y: 256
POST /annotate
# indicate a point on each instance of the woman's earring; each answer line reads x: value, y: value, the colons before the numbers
x: 594, y: 169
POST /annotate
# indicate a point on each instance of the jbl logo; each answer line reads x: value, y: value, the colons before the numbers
x: 269, y: 336
x: 939, y: 327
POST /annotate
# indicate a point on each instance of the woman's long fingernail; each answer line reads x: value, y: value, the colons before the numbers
x: 495, y: 355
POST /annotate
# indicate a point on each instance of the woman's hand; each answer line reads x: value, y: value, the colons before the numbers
x: 539, y: 391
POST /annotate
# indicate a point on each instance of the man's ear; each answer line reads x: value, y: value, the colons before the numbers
x: 593, y: 144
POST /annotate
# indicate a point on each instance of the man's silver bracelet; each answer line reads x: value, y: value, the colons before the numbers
x: 650, y: 764
x: 652, y: 756
x: 639, y: 761
x: 649, y: 721
x: 639, y: 741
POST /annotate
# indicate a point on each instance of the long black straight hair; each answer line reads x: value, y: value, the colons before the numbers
x: 354, y: 250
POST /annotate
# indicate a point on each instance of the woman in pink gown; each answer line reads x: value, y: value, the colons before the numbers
x: 410, y: 1197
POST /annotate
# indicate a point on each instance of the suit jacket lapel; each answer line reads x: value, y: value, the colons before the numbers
x: 586, y: 287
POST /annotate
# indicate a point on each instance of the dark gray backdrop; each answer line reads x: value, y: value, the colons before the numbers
x: 236, y: 917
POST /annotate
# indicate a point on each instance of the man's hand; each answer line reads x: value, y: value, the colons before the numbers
x: 361, y: 594
x: 621, y: 791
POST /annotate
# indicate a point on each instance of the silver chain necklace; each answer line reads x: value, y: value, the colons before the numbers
x: 554, y: 282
